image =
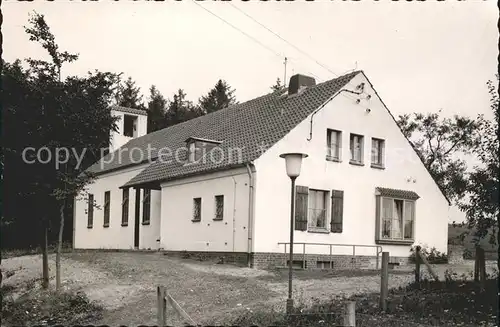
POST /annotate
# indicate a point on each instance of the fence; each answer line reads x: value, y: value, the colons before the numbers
x: 377, y: 248
x: 164, y: 298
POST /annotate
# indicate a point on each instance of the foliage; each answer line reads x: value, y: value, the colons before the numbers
x: 438, y: 141
x: 129, y: 95
x: 181, y: 110
x: 482, y: 208
x: 156, y: 110
x: 278, y: 86
x: 432, y: 255
x: 219, y: 97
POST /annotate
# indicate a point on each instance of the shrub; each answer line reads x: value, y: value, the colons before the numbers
x: 432, y: 255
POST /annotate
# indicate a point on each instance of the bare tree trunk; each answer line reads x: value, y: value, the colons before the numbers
x: 45, y: 258
x: 59, y: 246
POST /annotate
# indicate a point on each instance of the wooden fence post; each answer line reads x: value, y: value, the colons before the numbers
x: 429, y: 268
x: 161, y: 313
x: 482, y: 266
x: 384, y: 283
x: 417, y: 266
x: 350, y: 314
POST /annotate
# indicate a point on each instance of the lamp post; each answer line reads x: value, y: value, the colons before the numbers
x: 293, y: 164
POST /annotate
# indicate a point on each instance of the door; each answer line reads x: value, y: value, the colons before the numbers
x: 137, y: 216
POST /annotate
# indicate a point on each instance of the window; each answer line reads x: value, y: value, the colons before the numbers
x: 130, y: 126
x: 397, y: 219
x: 199, y: 148
x: 107, y: 198
x: 334, y: 144
x: 90, y: 211
x: 219, y: 207
x: 196, y: 209
x: 377, y: 152
x: 146, y: 206
x: 192, y: 152
x: 125, y: 207
x: 337, y: 211
x: 317, y: 209
x: 356, y: 148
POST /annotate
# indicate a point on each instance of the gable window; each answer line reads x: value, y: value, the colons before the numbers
x: 334, y: 144
x: 317, y: 209
x: 107, y: 200
x: 196, y: 209
x: 356, y: 149
x: 219, y: 207
x: 125, y: 198
x: 395, y: 216
x: 130, y: 125
x: 90, y: 211
x: 377, y: 153
x: 146, y: 206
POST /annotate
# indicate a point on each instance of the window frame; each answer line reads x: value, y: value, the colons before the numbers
x: 380, y: 220
x: 352, y: 137
x: 329, y: 156
x: 380, y: 153
x: 195, y: 203
x: 146, y: 209
x: 216, y: 216
x: 125, y: 206
x: 107, y: 208
x: 326, y: 197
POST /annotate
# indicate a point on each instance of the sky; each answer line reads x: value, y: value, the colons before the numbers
x: 420, y: 56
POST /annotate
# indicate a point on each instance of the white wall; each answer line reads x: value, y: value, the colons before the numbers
x: 358, y: 182
x: 117, y: 139
x: 179, y: 233
x: 115, y: 236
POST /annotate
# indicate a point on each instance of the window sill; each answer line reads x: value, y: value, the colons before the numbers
x: 356, y: 163
x: 333, y: 159
x: 377, y: 166
x: 105, y: 226
x: 318, y: 230
x: 196, y: 220
x: 124, y: 224
x: 89, y: 226
x: 394, y: 242
x: 145, y: 223
x: 218, y: 219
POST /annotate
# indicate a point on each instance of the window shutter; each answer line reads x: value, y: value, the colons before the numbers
x: 337, y: 211
x: 301, y: 197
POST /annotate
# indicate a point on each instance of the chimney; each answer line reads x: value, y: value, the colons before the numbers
x: 299, y: 82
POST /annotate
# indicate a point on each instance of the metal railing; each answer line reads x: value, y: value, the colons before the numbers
x: 378, y: 251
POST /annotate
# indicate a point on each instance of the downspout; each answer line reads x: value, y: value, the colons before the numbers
x: 324, y: 104
x: 251, y: 188
x: 234, y: 209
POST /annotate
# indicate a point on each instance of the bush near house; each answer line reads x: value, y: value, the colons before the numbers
x: 432, y: 255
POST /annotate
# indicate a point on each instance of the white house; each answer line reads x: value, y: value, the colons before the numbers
x: 216, y: 184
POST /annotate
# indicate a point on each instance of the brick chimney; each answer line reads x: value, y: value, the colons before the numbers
x: 299, y: 82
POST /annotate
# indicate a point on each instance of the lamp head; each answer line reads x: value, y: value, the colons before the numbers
x: 293, y: 163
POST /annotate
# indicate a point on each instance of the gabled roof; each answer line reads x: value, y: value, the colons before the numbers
x: 130, y: 110
x: 250, y: 127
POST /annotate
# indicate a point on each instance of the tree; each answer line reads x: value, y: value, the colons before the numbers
x: 482, y: 208
x: 278, y: 86
x: 71, y: 119
x: 181, y: 110
x: 129, y: 95
x: 439, y: 142
x: 156, y: 110
x: 220, y: 97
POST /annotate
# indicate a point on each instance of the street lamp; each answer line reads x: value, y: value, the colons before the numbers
x: 293, y: 165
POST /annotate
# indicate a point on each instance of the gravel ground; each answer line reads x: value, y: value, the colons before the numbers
x: 125, y: 284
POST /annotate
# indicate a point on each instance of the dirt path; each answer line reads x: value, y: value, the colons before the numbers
x: 125, y: 284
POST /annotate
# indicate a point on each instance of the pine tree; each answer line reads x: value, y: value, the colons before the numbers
x: 129, y: 95
x: 220, y: 97
x: 157, y: 106
x: 278, y: 86
x: 181, y: 110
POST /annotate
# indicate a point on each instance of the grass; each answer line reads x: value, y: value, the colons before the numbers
x: 281, y: 275
x: 445, y: 303
x: 11, y: 253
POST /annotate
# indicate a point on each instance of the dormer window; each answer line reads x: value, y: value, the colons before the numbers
x: 198, y: 148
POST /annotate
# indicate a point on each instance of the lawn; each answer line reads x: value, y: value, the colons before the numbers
x: 124, y: 284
